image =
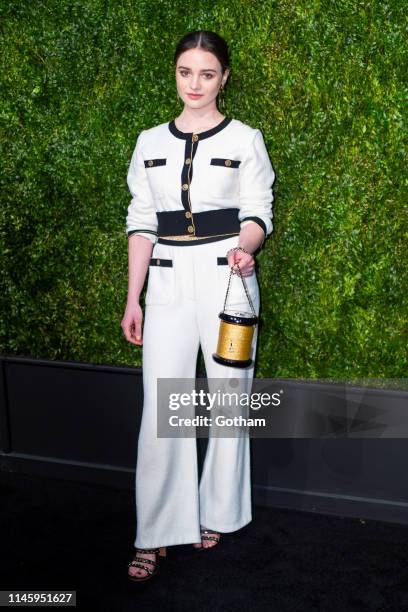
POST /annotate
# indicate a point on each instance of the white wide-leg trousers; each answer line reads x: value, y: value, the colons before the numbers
x: 183, y: 301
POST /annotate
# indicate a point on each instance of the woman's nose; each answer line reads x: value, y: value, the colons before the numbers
x: 195, y: 82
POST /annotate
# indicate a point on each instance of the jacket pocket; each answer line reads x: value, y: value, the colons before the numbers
x: 156, y: 175
x: 224, y: 178
x: 161, y: 282
x: 228, y: 163
x: 237, y: 298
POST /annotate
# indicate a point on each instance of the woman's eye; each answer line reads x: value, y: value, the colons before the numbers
x: 208, y: 75
x: 183, y: 73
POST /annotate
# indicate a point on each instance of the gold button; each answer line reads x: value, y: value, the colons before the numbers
x: 150, y: 162
x: 188, y: 160
x: 184, y: 186
x: 227, y: 162
x: 188, y: 214
x: 158, y: 261
x: 190, y: 228
x: 195, y: 137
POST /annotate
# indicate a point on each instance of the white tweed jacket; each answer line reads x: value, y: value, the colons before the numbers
x: 226, y: 167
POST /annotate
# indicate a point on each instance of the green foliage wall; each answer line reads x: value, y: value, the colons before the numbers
x: 323, y: 80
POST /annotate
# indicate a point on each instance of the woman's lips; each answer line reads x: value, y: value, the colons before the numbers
x: 194, y: 96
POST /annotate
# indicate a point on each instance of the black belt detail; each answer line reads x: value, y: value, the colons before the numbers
x: 158, y: 261
x: 208, y: 223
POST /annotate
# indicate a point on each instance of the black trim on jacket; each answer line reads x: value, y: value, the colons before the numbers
x: 151, y: 163
x: 201, y: 135
x: 257, y: 220
x: 207, y: 223
x: 228, y: 163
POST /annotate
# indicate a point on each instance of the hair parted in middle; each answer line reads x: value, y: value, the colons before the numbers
x: 207, y: 40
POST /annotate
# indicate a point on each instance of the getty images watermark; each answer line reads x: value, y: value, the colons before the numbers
x: 272, y: 408
x: 214, y: 406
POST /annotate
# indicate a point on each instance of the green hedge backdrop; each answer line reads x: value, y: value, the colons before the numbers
x: 323, y: 80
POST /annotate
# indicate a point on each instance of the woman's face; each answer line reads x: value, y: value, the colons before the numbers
x: 199, y: 72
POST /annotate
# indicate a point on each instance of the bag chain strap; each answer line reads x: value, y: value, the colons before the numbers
x: 245, y: 287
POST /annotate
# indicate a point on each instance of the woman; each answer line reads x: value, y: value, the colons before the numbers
x: 201, y: 204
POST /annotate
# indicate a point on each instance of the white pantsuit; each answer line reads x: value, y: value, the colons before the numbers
x: 187, y: 282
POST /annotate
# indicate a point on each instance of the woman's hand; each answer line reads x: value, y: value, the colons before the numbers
x: 131, y: 323
x: 246, y: 262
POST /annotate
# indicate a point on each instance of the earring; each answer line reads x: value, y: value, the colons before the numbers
x: 221, y: 94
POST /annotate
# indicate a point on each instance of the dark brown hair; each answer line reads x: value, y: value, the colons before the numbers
x: 207, y: 40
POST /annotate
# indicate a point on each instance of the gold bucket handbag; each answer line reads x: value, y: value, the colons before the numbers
x: 236, y: 332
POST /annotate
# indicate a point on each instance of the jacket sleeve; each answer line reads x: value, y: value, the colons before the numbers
x: 141, y: 216
x: 255, y: 190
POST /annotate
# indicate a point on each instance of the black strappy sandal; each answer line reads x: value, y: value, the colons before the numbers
x: 204, y: 536
x: 139, y: 561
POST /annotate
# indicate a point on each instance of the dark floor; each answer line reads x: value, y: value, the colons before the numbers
x: 68, y: 535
